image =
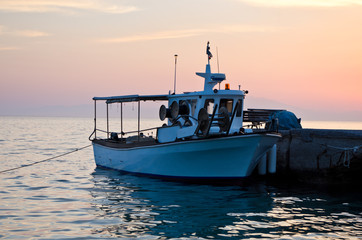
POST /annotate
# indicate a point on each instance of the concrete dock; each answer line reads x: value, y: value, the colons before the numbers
x: 319, y: 156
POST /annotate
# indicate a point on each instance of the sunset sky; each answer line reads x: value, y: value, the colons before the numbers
x: 303, y: 55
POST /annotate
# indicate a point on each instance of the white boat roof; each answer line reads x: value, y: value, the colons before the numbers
x: 132, y: 98
x: 213, y: 93
x: 165, y: 97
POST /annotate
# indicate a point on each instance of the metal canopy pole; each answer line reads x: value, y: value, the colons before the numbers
x: 95, y: 119
x: 139, y: 113
x: 121, y: 120
x: 107, y: 123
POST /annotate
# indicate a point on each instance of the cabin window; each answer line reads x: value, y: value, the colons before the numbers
x: 187, y: 107
x: 228, y: 103
x: 193, y: 104
x: 239, y: 109
x: 209, y: 105
x: 184, y: 107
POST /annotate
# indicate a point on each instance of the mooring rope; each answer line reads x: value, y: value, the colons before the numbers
x: 347, y: 153
x: 354, y: 149
x: 48, y: 159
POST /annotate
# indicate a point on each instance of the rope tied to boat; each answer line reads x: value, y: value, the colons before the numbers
x: 347, y: 153
x: 44, y: 160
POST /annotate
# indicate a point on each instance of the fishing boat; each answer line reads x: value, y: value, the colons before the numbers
x: 203, y: 138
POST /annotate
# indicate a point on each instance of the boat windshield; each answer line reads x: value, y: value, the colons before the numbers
x: 209, y: 105
x: 227, y: 103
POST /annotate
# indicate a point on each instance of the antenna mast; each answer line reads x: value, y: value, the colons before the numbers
x: 217, y: 57
x: 174, y: 83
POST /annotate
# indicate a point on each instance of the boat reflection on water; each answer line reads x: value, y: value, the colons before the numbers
x: 128, y: 207
x: 145, y: 207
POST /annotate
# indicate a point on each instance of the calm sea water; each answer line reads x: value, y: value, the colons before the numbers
x: 69, y: 198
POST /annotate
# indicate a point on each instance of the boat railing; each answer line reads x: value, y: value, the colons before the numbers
x: 211, y: 120
x: 122, y: 134
x: 258, y: 118
x: 232, y: 117
x: 136, y: 131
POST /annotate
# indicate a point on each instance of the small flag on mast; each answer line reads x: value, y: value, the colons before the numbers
x: 209, y: 54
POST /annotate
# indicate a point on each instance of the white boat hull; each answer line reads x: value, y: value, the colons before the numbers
x: 226, y: 157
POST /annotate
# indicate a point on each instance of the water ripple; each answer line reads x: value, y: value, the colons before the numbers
x: 69, y: 198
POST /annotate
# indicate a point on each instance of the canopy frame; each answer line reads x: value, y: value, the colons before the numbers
x: 123, y: 99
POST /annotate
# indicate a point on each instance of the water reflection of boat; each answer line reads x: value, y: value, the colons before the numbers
x: 130, y: 207
x: 204, y: 137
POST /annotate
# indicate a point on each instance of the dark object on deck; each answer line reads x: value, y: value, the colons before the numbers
x: 283, y: 120
x: 274, y: 119
x: 114, y: 136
